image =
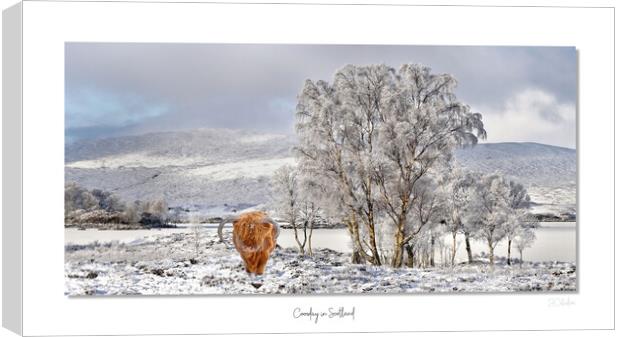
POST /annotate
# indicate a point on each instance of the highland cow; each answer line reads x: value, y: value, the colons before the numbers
x: 254, y: 237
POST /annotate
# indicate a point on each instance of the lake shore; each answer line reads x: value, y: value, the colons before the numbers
x: 555, y: 241
x: 185, y: 264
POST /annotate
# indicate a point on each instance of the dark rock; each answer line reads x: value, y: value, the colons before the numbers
x: 158, y: 272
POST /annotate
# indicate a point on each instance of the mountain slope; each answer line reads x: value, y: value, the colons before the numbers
x: 215, y: 168
x: 530, y: 163
x: 548, y: 172
x: 180, y: 148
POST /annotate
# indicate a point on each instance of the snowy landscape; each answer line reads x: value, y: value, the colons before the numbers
x: 168, y: 265
x: 158, y: 262
x: 375, y: 179
x: 213, y: 171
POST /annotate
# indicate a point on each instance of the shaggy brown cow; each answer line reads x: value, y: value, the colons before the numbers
x: 254, y: 236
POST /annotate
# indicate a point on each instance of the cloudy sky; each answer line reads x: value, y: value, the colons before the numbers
x: 115, y: 89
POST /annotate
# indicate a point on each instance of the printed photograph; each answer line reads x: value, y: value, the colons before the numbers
x: 226, y: 169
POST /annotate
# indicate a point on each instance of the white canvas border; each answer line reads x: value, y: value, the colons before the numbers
x: 47, y: 25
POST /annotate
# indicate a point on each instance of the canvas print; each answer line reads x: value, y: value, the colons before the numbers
x: 195, y: 169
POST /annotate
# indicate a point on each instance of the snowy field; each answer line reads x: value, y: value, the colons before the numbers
x: 170, y: 264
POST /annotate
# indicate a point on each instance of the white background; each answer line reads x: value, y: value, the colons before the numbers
x: 48, y: 24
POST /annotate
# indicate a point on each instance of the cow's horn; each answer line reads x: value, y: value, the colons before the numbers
x: 275, y: 224
x: 221, y: 226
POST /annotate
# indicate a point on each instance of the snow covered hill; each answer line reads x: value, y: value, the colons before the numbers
x: 548, y: 172
x: 213, y: 170
x: 180, y: 148
x: 530, y: 163
x: 219, y: 169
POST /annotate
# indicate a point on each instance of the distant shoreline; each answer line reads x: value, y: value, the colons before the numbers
x: 213, y: 225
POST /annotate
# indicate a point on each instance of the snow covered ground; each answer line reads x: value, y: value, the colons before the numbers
x: 245, y: 169
x: 171, y: 264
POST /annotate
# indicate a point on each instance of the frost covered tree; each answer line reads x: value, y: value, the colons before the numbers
x: 196, y: 229
x: 335, y: 126
x: 418, y: 250
x: 427, y: 213
x: 372, y: 134
x: 285, y: 191
x: 108, y: 201
x: 154, y: 213
x: 458, y: 187
x: 158, y: 207
x: 513, y: 222
x: 99, y: 206
x: 518, y: 203
x: 490, y: 211
x: 133, y: 212
x: 93, y: 206
x: 308, y: 215
x: 79, y: 198
x: 452, y: 221
x: 310, y: 211
x: 422, y: 124
x: 293, y: 199
x: 524, y: 239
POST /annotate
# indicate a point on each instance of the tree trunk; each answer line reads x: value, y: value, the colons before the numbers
x: 356, y: 258
x: 299, y: 244
x: 358, y: 252
x: 399, y: 242
x: 397, y: 257
x: 432, y: 252
x: 442, y: 257
x: 509, y: 243
x: 491, y: 254
x: 470, y: 258
x: 373, y: 246
x: 371, y: 236
x: 520, y: 258
x: 310, y: 238
x: 409, y: 250
x: 453, y: 252
x: 359, y: 255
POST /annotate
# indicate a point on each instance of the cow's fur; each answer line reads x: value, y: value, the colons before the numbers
x: 254, y: 237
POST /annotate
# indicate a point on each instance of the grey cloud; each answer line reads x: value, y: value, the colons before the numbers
x: 255, y: 86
